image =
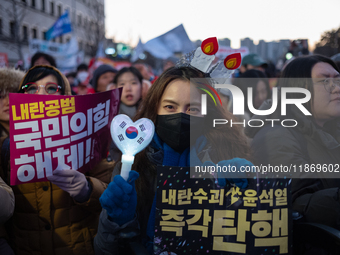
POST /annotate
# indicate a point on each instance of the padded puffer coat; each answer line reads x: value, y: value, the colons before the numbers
x: 9, y: 80
x: 304, y: 146
x: 47, y: 220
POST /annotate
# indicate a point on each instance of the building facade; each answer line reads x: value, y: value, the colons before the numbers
x: 225, y: 42
x: 276, y: 50
x: 249, y: 43
x: 22, y: 20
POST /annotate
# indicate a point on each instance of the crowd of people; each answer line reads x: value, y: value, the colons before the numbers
x: 85, y: 213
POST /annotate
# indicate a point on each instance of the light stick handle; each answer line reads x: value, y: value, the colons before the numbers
x: 127, y: 161
x: 230, y: 73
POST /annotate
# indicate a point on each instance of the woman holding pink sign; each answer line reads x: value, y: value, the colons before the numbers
x: 59, y: 216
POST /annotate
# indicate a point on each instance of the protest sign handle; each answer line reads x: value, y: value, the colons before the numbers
x: 127, y: 161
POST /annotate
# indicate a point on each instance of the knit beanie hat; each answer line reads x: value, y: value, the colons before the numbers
x: 98, y: 72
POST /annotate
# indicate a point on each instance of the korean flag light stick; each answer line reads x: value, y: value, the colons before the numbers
x: 130, y: 138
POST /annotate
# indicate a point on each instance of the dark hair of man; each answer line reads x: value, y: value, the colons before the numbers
x: 82, y: 67
x: 299, y: 68
x: 38, y: 55
x: 71, y: 74
x: 251, y: 78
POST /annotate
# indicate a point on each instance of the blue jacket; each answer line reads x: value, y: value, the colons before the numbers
x: 107, y: 236
x: 106, y: 240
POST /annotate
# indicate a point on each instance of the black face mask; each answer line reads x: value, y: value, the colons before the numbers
x: 174, y: 129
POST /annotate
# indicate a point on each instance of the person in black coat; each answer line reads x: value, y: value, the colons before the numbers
x: 313, y: 143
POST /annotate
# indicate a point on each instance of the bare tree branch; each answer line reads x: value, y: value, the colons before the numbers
x: 329, y: 43
x: 16, y: 15
x: 21, y: 15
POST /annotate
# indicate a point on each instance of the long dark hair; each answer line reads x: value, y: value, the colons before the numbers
x: 298, y: 73
x: 244, y: 82
x: 137, y: 74
x: 130, y: 69
x: 228, y: 142
x: 40, y: 72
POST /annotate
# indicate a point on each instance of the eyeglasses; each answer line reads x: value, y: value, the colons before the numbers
x: 33, y: 88
x: 330, y: 84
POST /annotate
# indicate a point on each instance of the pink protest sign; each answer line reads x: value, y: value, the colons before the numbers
x: 58, y: 132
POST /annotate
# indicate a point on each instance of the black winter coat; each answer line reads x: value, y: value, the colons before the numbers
x: 318, y: 199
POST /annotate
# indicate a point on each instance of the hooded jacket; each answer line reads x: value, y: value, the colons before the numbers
x: 9, y: 81
x: 307, y: 143
x: 7, y: 201
x: 7, y: 206
x: 47, y: 220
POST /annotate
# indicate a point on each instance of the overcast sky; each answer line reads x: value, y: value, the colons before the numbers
x: 127, y: 20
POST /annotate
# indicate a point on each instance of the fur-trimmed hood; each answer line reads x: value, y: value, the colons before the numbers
x: 10, y: 79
